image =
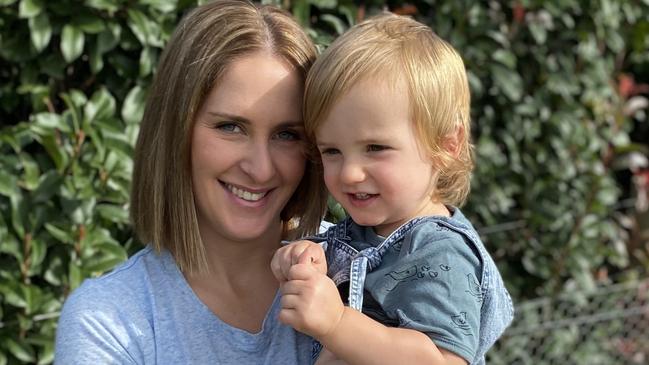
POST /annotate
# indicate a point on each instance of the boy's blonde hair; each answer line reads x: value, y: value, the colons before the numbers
x: 391, y: 48
x: 206, y: 41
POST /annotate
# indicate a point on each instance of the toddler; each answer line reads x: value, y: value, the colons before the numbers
x: 388, y: 106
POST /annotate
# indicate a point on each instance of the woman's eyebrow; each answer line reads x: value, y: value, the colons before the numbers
x: 228, y: 116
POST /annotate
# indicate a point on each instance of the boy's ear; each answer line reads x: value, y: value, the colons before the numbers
x: 453, y: 141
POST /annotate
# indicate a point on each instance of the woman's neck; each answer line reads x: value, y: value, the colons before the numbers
x: 240, y: 279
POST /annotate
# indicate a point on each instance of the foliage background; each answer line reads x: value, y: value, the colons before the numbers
x: 560, y: 126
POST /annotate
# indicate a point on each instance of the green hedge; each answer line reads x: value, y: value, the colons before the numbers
x: 551, y: 132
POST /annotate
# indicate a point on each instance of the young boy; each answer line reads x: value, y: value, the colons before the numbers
x: 388, y: 106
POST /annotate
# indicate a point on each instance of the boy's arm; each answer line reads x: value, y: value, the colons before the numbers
x: 381, y: 344
x: 311, y: 304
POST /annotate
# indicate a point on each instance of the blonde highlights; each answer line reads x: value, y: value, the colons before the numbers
x: 206, y: 41
x: 392, y: 49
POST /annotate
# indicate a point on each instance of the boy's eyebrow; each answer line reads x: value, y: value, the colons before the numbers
x: 240, y: 119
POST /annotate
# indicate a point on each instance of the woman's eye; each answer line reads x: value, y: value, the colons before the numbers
x: 288, y: 136
x: 376, y: 148
x: 228, y: 127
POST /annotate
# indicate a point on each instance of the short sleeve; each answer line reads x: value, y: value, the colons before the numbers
x: 435, y: 290
x: 90, y: 332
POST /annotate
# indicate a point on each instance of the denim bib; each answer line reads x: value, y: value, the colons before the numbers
x: 347, y: 264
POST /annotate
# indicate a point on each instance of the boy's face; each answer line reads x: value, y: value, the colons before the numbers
x: 372, y: 161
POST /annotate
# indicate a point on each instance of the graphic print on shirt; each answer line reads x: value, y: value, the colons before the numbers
x: 475, y: 289
x: 412, y: 273
x: 459, y: 321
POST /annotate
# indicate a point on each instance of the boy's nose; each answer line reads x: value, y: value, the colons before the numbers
x: 352, y: 173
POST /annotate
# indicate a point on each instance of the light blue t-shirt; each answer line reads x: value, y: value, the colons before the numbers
x: 144, y: 312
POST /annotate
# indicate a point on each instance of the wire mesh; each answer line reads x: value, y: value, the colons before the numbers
x: 607, y: 326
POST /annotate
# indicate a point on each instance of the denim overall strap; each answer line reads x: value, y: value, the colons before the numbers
x: 368, y: 259
x: 357, y: 274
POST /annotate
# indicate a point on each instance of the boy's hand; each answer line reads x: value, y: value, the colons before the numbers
x: 310, y: 302
x: 298, y: 252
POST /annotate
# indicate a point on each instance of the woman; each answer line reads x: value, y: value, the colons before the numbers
x: 220, y: 178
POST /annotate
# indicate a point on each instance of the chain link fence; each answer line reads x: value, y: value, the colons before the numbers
x: 608, y: 326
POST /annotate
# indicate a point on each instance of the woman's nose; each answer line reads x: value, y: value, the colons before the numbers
x: 258, y: 162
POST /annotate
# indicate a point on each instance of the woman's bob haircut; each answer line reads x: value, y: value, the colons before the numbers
x: 207, y: 40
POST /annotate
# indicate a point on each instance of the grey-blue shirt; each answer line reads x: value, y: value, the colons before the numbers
x: 144, y: 312
x: 432, y: 274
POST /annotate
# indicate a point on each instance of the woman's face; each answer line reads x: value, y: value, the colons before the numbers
x: 247, y: 149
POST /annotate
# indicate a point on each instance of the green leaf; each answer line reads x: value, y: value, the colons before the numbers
x: 6, y: 3
x: 30, y: 8
x: 109, y: 38
x: 107, y: 255
x: 148, y: 59
x: 51, y: 121
x: 31, y: 172
x: 96, y: 59
x: 55, y: 273
x: 20, y: 350
x: 142, y: 27
x: 72, y: 41
x: 33, y: 296
x: 112, y: 213
x: 61, y: 235
x: 100, y: 107
x: 301, y: 11
x: 508, y: 81
x: 335, y: 22
x: 133, y: 107
x: 74, y: 274
x: 48, y: 186
x: 18, y: 214
x: 111, y: 6
x: 46, y: 356
x: 165, y: 6
x: 89, y: 24
x: 505, y: 57
x: 56, y: 152
x: 8, y: 183
x: 40, y: 31
x: 324, y: 4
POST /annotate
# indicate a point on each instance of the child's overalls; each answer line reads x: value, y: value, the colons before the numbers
x: 346, y: 264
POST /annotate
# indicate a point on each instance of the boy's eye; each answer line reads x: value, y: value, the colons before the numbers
x: 376, y: 148
x: 329, y: 151
x: 288, y: 135
x: 228, y: 127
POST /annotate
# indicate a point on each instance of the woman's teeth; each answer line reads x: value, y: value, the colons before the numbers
x: 245, y: 195
x: 361, y: 196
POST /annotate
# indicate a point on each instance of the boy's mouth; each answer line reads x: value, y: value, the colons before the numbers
x: 361, y: 196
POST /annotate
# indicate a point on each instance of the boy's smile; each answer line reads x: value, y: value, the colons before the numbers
x: 373, y: 163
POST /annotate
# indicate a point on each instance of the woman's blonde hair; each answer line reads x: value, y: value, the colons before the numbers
x: 206, y: 41
x: 393, y: 49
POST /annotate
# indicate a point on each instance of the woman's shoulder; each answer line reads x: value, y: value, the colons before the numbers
x: 125, y: 286
x: 101, y: 318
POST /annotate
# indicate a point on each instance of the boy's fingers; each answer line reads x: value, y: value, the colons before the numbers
x: 315, y: 256
x: 278, y: 265
x: 301, y: 272
x: 312, y: 254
